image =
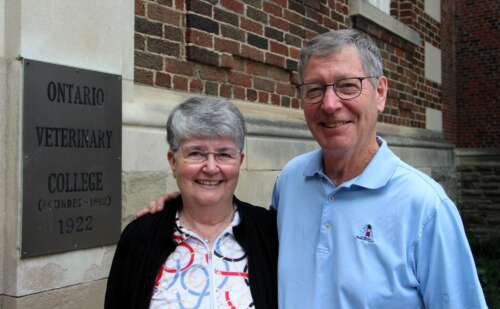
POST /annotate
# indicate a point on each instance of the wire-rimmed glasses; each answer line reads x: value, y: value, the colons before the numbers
x: 345, y: 89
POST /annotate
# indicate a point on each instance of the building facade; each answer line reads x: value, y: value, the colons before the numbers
x: 247, y: 51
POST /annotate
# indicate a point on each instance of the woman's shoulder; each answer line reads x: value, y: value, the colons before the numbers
x: 140, y: 229
x: 255, y: 212
x: 147, y: 225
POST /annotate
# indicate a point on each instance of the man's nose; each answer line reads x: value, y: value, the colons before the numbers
x: 331, y: 101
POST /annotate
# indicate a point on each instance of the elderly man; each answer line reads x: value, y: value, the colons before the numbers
x: 358, y: 227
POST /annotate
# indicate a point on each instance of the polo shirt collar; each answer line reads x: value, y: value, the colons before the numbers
x: 315, y: 165
x: 380, y: 169
x: 376, y: 174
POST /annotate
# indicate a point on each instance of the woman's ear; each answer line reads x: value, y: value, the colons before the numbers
x: 171, y: 161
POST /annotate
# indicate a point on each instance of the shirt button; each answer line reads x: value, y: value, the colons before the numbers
x: 328, y: 226
x: 332, y: 198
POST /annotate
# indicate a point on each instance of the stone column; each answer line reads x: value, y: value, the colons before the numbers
x: 94, y: 35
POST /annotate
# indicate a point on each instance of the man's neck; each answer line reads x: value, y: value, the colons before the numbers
x: 343, y: 166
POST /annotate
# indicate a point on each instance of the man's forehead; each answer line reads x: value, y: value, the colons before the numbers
x: 346, y: 50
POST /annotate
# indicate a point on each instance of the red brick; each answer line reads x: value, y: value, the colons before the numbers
x: 163, y: 14
x: 252, y: 53
x: 273, y: 9
x: 295, y: 103
x: 196, y: 85
x: 285, y: 89
x: 163, y: 47
x: 251, y: 95
x: 178, y: 67
x: 148, y: 61
x: 213, y: 73
x: 278, y: 74
x: 227, y: 46
x: 282, y: 3
x: 233, y: 5
x: 295, y: 53
x: 263, y: 97
x: 294, y: 18
x: 275, y: 60
x: 139, y: 42
x: 239, y: 92
x: 225, y: 90
x: 259, y: 69
x: 199, y: 38
x: 240, y: 79
x: 239, y: 64
x: 139, y: 8
x: 163, y: 80
x: 180, y: 5
x: 275, y: 99
x: 279, y: 48
x: 264, y: 84
x: 279, y: 23
x: 143, y: 76
x: 180, y: 83
x: 251, y: 26
x: 227, y: 61
x: 329, y: 23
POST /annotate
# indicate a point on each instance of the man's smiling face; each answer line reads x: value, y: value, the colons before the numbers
x: 343, y: 126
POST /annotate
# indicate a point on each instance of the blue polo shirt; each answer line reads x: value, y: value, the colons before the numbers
x: 389, y: 238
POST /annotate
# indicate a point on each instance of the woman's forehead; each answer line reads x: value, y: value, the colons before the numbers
x: 208, y: 142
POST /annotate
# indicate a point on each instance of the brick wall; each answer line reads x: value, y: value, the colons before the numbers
x: 479, y: 198
x: 449, y: 85
x: 248, y: 49
x: 478, y: 80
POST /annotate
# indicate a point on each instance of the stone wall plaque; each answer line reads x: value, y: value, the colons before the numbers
x: 71, y: 158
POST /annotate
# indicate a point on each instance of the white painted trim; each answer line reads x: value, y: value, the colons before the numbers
x: 368, y: 11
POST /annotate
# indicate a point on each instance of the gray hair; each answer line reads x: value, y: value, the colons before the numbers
x: 205, y: 117
x: 331, y: 42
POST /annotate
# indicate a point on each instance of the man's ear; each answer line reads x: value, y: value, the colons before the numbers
x: 381, y: 93
x: 242, y: 158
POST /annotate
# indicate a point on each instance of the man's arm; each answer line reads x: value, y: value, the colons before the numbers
x: 157, y: 205
x: 444, y: 264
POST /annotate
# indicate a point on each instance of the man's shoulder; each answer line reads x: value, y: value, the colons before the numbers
x: 418, y: 182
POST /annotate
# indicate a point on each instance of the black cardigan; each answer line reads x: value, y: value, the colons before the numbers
x: 147, y: 242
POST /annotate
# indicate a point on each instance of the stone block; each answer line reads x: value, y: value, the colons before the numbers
x: 41, y: 274
x: 3, y: 163
x: 256, y: 187
x: 88, y: 295
x: 425, y: 157
x: 272, y: 153
x: 433, y: 9
x: 433, y: 67
x: 433, y: 119
x: 90, y: 32
x: 144, y: 149
x: 139, y: 188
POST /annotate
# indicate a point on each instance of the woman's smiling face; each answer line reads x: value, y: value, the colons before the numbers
x: 206, y: 170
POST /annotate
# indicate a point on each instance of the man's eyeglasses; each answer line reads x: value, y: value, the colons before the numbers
x: 197, y: 156
x: 345, y: 89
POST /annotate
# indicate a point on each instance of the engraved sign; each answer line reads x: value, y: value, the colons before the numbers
x: 71, y: 158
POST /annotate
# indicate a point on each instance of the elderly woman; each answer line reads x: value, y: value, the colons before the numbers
x: 206, y: 249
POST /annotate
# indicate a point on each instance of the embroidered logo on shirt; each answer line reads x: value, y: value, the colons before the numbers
x: 366, y: 233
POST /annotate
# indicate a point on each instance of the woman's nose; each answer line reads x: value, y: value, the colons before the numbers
x: 211, y: 165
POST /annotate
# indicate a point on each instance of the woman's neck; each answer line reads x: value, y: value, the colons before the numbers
x: 207, y: 222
